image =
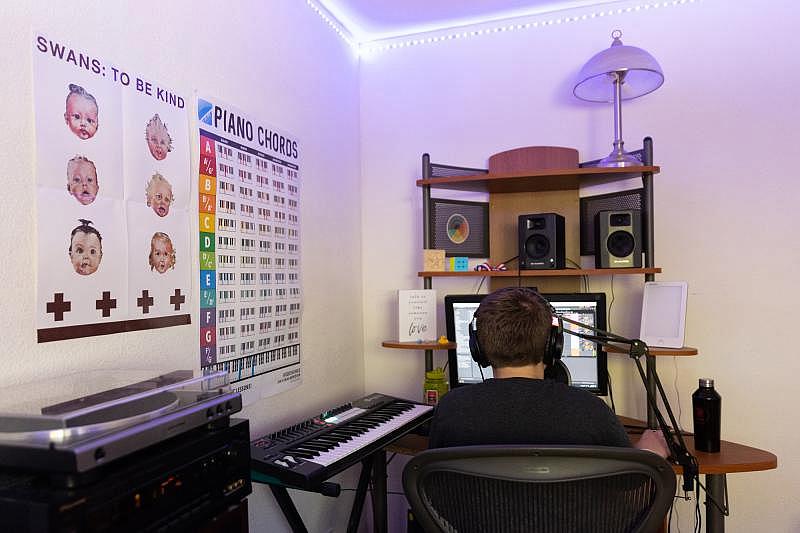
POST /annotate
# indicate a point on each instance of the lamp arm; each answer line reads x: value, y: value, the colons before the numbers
x: 637, y: 348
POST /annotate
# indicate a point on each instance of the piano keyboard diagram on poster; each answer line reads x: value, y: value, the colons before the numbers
x: 250, y: 297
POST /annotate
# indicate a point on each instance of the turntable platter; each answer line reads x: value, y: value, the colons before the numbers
x: 106, y: 418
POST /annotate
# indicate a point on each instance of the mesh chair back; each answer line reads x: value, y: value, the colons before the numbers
x: 539, y: 489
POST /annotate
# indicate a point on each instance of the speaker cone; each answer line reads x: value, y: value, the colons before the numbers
x: 537, y: 246
x: 620, y: 244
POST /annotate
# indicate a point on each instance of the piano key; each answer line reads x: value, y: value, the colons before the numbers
x: 328, y: 457
x: 325, y: 448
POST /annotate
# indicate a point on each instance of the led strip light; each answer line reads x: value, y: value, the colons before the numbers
x: 340, y: 31
x: 383, y: 45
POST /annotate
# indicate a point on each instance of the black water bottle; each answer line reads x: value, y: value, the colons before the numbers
x: 707, y: 407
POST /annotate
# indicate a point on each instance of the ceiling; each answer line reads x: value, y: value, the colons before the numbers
x: 369, y: 20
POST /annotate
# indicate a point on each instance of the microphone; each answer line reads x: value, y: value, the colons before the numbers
x: 636, y: 349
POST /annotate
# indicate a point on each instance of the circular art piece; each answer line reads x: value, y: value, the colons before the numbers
x: 457, y: 228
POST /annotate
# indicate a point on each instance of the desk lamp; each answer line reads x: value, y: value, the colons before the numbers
x: 618, y: 73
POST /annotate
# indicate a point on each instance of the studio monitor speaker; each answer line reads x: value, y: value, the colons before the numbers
x: 618, y: 239
x: 541, y: 242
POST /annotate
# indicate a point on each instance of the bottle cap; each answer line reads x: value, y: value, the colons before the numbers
x: 707, y: 383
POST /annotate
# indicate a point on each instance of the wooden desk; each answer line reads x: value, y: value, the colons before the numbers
x: 732, y: 458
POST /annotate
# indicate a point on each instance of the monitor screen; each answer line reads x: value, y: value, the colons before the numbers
x: 585, y: 360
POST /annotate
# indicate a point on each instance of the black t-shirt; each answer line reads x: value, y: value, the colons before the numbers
x: 524, y: 411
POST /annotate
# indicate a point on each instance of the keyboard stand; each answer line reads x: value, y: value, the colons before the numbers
x: 373, y: 467
x: 287, y: 507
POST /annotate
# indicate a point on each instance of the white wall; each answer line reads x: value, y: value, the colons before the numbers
x: 723, y: 200
x: 723, y: 126
x: 278, y: 61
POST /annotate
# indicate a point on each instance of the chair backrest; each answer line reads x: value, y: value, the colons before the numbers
x: 539, y: 489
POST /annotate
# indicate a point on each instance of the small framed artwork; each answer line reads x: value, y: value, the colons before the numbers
x: 460, y: 228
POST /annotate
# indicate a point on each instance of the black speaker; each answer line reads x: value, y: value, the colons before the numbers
x: 541, y: 242
x: 618, y: 239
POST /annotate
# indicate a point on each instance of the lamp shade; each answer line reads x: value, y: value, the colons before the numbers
x: 642, y: 73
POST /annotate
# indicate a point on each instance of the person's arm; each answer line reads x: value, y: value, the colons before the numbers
x: 652, y: 440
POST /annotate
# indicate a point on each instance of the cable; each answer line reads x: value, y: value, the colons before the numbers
x: 611, y: 393
x: 478, y: 290
x: 677, y: 514
x: 724, y: 508
x: 584, y: 278
x: 698, y: 516
x: 611, y: 303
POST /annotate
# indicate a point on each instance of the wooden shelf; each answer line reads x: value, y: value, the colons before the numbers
x: 532, y: 181
x: 656, y: 352
x: 538, y: 273
x: 419, y: 345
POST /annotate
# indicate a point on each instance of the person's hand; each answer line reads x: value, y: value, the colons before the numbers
x: 652, y: 440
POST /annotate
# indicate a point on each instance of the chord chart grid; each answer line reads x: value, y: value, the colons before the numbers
x: 250, y: 294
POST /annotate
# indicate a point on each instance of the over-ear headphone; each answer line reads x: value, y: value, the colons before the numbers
x: 552, y: 348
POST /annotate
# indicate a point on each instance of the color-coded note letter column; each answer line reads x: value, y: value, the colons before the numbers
x: 208, y: 265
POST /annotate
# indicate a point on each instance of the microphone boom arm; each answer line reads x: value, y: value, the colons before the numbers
x: 636, y: 349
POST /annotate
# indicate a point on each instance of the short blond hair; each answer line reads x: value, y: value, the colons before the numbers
x: 155, y: 179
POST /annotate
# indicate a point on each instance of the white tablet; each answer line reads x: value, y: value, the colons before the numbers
x: 664, y: 313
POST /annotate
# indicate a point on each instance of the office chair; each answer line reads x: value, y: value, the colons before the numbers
x: 539, y: 489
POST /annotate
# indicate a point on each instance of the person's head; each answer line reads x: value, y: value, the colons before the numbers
x: 82, y: 179
x: 159, y: 194
x: 162, y: 254
x: 85, y: 248
x: 81, y: 113
x: 513, y: 326
x: 158, y: 139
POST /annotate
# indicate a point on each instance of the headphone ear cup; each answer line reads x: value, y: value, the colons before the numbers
x: 558, y: 372
x: 555, y: 343
x: 474, y: 347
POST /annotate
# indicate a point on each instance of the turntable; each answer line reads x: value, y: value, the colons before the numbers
x: 114, y: 414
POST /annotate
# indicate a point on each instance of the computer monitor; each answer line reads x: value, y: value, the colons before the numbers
x: 585, y: 360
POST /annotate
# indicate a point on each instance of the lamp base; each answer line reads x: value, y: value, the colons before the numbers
x: 619, y: 159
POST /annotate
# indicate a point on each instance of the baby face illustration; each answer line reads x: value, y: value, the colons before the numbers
x: 158, y: 140
x: 162, y: 254
x: 81, y: 115
x: 82, y: 180
x: 159, y: 195
x: 85, y: 252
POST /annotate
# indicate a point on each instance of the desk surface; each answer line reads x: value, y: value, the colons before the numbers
x: 732, y: 457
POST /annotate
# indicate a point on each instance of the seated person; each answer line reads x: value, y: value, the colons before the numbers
x: 518, y: 406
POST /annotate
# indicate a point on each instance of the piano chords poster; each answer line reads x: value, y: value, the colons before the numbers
x: 249, y: 260
x: 113, y: 178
